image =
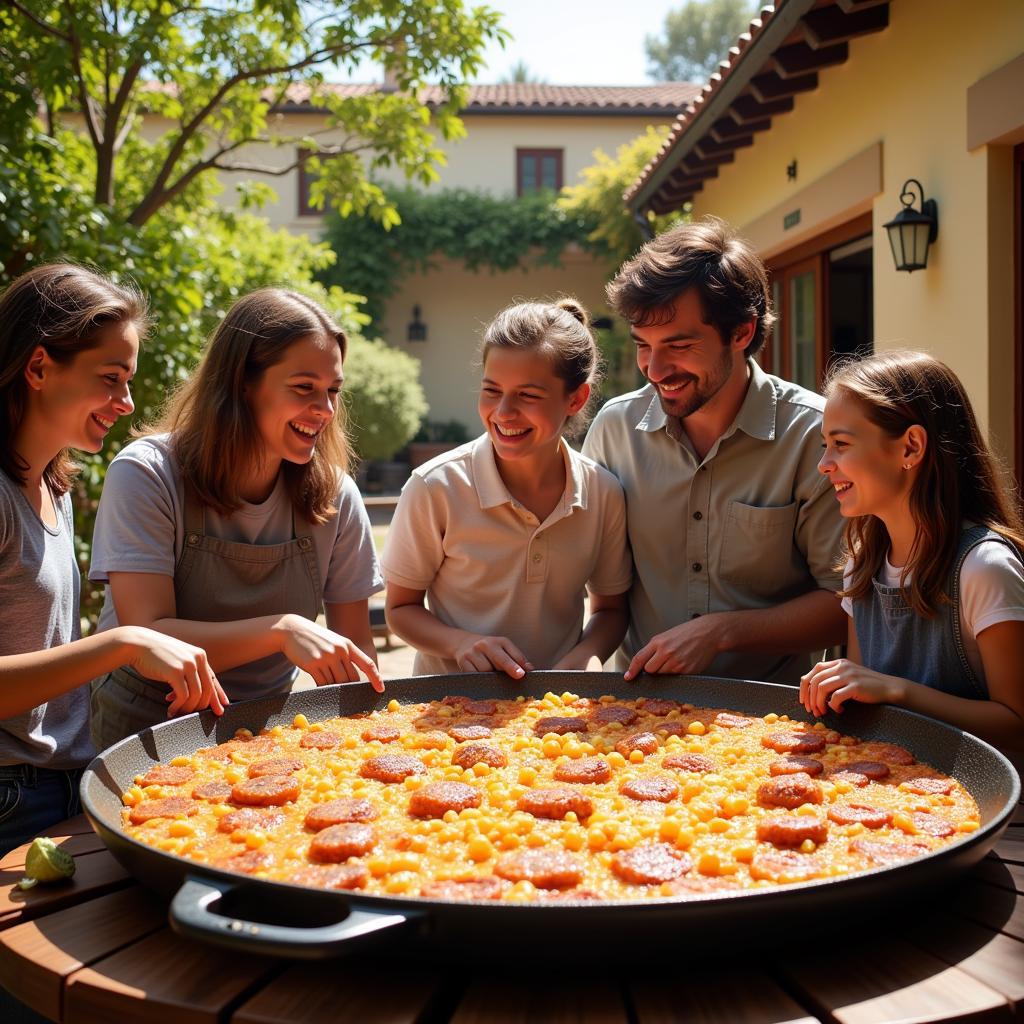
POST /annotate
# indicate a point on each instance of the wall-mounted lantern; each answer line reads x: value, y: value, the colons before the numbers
x: 417, y: 328
x: 912, y: 231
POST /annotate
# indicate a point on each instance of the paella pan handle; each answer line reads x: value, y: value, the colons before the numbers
x: 194, y: 915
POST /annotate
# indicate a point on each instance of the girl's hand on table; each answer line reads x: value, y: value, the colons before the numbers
x: 185, y: 669
x: 327, y: 656
x: 492, y: 653
x: 831, y: 683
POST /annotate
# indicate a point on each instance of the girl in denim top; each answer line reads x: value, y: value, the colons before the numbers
x: 934, y: 585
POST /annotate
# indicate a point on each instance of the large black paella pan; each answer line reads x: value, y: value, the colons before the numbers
x: 276, y: 917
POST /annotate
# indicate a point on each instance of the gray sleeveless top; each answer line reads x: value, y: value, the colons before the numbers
x: 896, y: 641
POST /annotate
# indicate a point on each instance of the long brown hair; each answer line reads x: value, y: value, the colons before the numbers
x: 64, y: 308
x: 213, y: 431
x: 958, y: 478
x: 560, y: 331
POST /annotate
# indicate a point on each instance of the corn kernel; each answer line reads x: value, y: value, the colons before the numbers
x: 696, y: 729
x: 616, y: 760
x: 967, y: 826
x: 181, y: 828
x: 300, y: 721
x: 479, y: 849
x: 718, y: 825
x: 636, y: 756
x: 709, y: 864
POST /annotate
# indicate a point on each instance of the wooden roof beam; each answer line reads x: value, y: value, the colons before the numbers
x: 849, y: 6
x: 799, y: 59
x: 694, y: 164
x: 726, y: 128
x: 687, y: 182
x: 747, y: 110
x: 709, y: 147
x: 769, y: 86
x: 828, y: 25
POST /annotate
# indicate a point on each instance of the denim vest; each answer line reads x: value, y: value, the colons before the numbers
x: 896, y: 641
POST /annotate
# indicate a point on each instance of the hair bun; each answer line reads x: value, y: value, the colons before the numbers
x: 575, y: 309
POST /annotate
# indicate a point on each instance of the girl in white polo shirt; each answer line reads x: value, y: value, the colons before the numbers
x: 494, y: 544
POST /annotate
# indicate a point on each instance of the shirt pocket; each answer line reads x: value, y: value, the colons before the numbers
x: 757, y: 547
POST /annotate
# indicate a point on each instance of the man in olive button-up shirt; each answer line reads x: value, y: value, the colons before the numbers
x: 735, y: 535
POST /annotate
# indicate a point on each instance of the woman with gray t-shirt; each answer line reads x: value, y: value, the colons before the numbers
x: 233, y: 523
x: 69, y: 341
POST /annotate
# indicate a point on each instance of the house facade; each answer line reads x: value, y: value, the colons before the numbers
x: 519, y: 137
x: 805, y: 141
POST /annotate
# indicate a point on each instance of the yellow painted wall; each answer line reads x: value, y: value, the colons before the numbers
x: 457, y: 305
x: 906, y: 87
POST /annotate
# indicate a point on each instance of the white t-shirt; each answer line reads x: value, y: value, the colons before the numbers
x: 991, y: 591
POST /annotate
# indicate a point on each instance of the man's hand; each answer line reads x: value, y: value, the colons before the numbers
x: 831, y: 683
x: 492, y: 653
x: 686, y: 649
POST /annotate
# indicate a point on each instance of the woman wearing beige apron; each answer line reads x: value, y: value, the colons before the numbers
x: 233, y: 523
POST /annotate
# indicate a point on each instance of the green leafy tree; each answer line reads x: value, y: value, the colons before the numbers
x: 696, y: 38
x: 212, y: 75
x: 597, y: 199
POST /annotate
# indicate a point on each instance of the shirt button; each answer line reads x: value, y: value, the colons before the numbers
x: 538, y: 558
x: 696, y: 567
x: 698, y: 515
x: 193, y: 538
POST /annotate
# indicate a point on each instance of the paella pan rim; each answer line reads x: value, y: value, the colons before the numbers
x: 101, y: 789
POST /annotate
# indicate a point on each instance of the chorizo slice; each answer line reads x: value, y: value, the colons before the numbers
x: 727, y: 720
x: 216, y: 791
x: 874, y: 770
x: 266, y: 791
x: 331, y: 876
x: 480, y: 707
x: 436, y: 798
x: 662, y: 788
x: 249, y: 818
x: 795, y: 742
x: 486, y: 888
x: 659, y: 708
x: 784, y: 866
x: 248, y: 862
x: 689, y: 763
x: 253, y: 745
x: 650, y: 863
x: 860, y: 814
x: 168, y: 775
x: 464, y: 733
x: 614, y: 713
x: 851, y: 778
x: 166, y: 807
x: 339, y: 842
x: 792, y: 829
x: 790, y: 791
x: 645, y: 742
x: 381, y: 733
x: 546, y: 869
x: 932, y: 825
x: 559, y: 724
x: 429, y: 740
x: 391, y: 767
x: 880, y: 852
x: 556, y: 803
x: 334, y: 812
x: 583, y: 769
x: 891, y: 753
x: 793, y: 763
x: 275, y: 766
x: 319, y: 740
x: 928, y: 786
x: 476, y: 753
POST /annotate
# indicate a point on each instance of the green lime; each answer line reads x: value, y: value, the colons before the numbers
x: 46, y: 862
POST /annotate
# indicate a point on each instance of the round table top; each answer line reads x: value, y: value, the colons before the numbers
x: 99, y: 949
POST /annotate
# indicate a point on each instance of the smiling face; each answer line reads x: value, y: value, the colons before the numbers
x: 79, y: 401
x: 864, y: 464
x: 295, y: 400
x: 523, y: 404
x: 686, y: 360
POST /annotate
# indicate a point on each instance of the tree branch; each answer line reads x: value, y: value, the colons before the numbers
x: 48, y: 29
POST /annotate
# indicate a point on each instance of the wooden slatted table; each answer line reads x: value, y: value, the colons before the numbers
x: 99, y: 950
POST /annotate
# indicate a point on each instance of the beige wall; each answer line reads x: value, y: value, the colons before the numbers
x: 457, y: 305
x: 483, y: 159
x: 906, y: 87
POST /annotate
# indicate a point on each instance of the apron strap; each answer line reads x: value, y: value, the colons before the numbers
x: 195, y: 519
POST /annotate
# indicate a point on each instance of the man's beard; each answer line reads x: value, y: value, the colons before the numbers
x: 696, y: 394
